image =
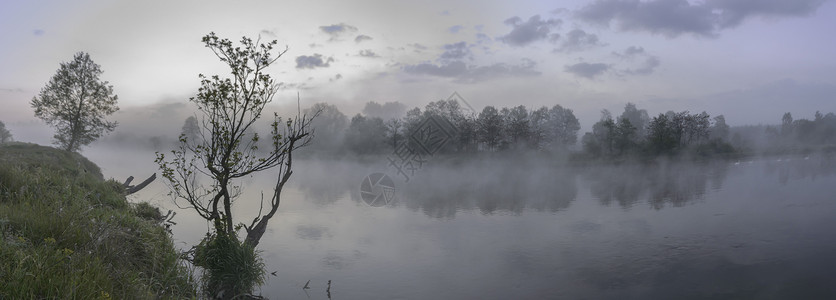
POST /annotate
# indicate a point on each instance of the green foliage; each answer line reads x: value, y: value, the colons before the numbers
x: 224, y: 151
x: 76, y: 102
x: 66, y: 233
x: 231, y: 268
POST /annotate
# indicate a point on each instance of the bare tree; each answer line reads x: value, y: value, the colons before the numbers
x: 76, y: 103
x: 227, y: 149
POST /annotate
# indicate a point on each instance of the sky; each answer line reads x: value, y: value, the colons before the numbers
x: 750, y: 60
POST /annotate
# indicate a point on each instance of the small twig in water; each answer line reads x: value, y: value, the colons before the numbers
x: 328, y: 290
x: 306, y: 285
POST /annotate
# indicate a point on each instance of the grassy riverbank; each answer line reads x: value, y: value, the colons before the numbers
x: 65, y: 232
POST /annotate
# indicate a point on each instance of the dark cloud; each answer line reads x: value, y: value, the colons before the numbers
x: 336, y: 77
x: 367, y: 53
x: 313, y: 61
x: 38, y: 32
x: 578, y: 40
x: 672, y: 18
x: 455, y: 29
x: 524, y: 33
x: 417, y: 47
x: 361, y: 38
x: 336, y: 30
x: 648, y: 64
x: 292, y: 86
x: 733, y: 12
x: 587, y: 70
x: 464, y: 73
x: 633, y: 50
x: 457, y: 51
x: 667, y: 17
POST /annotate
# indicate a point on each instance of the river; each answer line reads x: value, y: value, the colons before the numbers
x: 528, y: 229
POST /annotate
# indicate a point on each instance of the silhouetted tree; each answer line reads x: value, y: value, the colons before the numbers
x: 661, y: 138
x: 563, y: 127
x: 517, y: 126
x: 786, y: 125
x: 638, y: 118
x: 394, y: 132
x: 386, y: 111
x: 489, y: 127
x: 720, y: 130
x: 601, y: 141
x: 191, y: 130
x: 330, y: 126
x: 75, y: 101
x: 625, y: 136
x: 225, y: 153
x: 467, y: 133
x: 539, y: 124
x: 366, y: 135
x: 5, y: 135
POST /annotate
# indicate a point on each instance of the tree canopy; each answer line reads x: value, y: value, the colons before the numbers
x: 76, y: 102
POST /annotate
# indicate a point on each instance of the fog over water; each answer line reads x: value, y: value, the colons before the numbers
x: 525, y: 228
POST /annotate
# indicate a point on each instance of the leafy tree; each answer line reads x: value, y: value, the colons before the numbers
x: 720, y: 130
x: 5, y: 135
x: 366, y: 135
x: 386, y: 111
x: 517, y: 125
x: 539, y: 123
x: 330, y: 126
x: 467, y: 133
x: 225, y: 153
x: 563, y: 126
x: 413, y: 119
x: 489, y: 128
x: 660, y: 135
x: 394, y: 132
x: 601, y: 141
x: 191, y: 130
x: 786, y: 124
x: 638, y: 118
x: 75, y: 101
x: 625, y: 136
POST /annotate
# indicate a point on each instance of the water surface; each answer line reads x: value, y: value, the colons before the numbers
x: 759, y: 229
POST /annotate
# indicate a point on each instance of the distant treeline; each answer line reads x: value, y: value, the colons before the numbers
x: 382, y: 128
x: 551, y: 130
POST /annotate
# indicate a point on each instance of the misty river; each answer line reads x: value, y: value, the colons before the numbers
x: 759, y: 228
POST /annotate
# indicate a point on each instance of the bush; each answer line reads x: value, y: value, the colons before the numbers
x: 231, y: 268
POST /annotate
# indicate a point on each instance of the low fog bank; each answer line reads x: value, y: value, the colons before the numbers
x: 445, y: 186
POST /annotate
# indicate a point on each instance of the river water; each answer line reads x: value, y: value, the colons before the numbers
x: 528, y: 229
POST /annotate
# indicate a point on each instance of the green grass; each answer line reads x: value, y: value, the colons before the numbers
x: 66, y: 233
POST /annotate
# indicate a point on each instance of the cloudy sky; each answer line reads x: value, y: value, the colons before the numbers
x: 750, y: 60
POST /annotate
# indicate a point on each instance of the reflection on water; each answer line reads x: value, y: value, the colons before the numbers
x: 660, y: 184
x: 759, y: 229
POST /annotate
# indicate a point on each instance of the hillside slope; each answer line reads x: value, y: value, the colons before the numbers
x: 67, y: 233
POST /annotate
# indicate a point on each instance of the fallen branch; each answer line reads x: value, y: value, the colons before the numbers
x: 130, y: 189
